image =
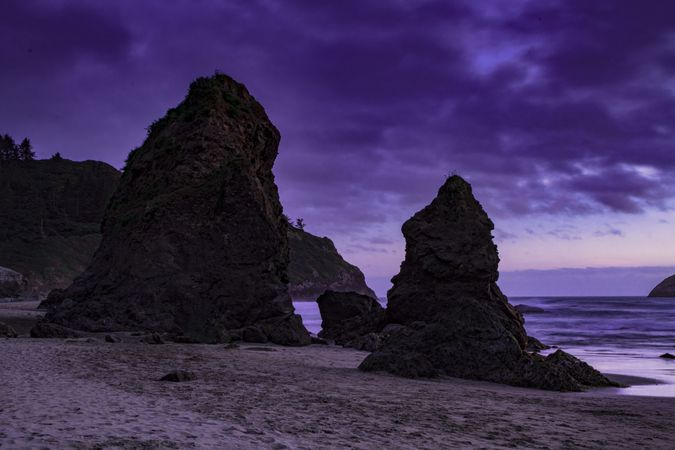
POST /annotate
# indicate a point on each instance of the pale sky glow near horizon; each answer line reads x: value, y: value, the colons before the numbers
x: 558, y: 112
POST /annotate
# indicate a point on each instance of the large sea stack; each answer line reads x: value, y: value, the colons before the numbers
x: 194, y: 243
x: 316, y: 267
x: 666, y: 288
x: 453, y: 318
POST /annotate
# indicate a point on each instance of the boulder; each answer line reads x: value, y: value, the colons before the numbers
x: 111, y: 339
x: 350, y: 319
x: 535, y: 345
x: 452, y: 318
x: 53, y: 331
x: 153, y: 339
x: 6, y: 331
x: 666, y: 288
x: 194, y: 240
x: 179, y: 376
x: 12, y: 284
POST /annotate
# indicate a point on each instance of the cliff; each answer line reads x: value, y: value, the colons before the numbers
x: 50, y: 215
x: 316, y: 266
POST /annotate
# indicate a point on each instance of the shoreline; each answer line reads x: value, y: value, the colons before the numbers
x: 86, y: 393
x: 73, y: 393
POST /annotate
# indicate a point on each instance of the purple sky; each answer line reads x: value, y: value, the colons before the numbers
x: 559, y: 113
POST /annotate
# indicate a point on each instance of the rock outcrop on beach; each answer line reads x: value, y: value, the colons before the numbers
x: 194, y: 243
x: 12, y: 284
x: 6, y: 331
x: 47, y: 330
x: 50, y: 218
x: 316, y: 266
x: 453, y: 318
x: 666, y: 288
x: 350, y: 319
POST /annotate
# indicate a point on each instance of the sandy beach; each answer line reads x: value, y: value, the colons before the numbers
x: 79, y: 394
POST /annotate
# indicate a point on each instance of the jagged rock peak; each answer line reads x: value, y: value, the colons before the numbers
x: 194, y: 243
x: 449, y: 246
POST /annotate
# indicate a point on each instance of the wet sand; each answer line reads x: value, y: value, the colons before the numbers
x: 75, y: 394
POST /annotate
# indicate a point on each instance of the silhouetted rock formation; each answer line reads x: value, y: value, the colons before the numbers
x: 666, y: 288
x: 50, y: 218
x: 455, y: 320
x: 316, y: 266
x: 12, y: 284
x: 350, y: 319
x: 194, y: 243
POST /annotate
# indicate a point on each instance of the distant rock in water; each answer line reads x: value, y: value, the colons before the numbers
x: 12, y: 284
x: 50, y: 218
x: 316, y: 266
x: 453, y: 319
x: 348, y: 318
x: 527, y: 309
x: 666, y: 288
x: 194, y: 243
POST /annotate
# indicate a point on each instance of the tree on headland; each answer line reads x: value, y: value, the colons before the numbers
x: 300, y: 224
x: 26, y: 152
x: 287, y: 220
x: 10, y: 151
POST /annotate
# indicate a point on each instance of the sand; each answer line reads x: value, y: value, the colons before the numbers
x: 76, y: 394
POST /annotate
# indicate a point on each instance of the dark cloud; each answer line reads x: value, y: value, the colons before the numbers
x: 609, y: 231
x: 558, y: 107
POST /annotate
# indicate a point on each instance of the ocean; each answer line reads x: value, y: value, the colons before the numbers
x: 616, y: 335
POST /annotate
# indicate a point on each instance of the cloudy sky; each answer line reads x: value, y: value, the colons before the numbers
x: 560, y: 113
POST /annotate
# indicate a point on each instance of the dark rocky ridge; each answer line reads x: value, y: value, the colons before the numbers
x: 194, y: 243
x: 453, y: 318
x: 50, y: 216
x: 50, y: 228
x: 666, y: 288
x: 316, y: 266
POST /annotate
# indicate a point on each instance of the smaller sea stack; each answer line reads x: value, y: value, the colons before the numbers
x: 453, y: 319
